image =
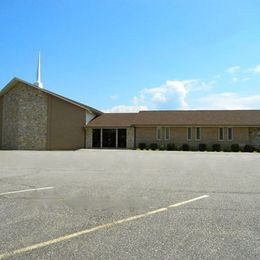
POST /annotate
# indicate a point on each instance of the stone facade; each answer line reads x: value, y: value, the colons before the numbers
x: 25, y: 114
x: 254, y: 135
x: 130, y: 138
x: 89, y: 138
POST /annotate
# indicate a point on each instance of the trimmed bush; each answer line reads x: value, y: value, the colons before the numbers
x: 171, y: 147
x: 162, y: 148
x: 194, y: 149
x: 154, y: 146
x: 178, y: 148
x: 142, y: 146
x: 235, y: 148
x: 226, y: 149
x: 185, y: 147
x: 249, y: 148
x: 202, y: 147
x: 216, y: 147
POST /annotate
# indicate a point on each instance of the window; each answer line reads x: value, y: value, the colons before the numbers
x: 167, y: 133
x: 189, y: 133
x: 197, y: 134
x: 221, y: 134
x: 163, y: 133
x: 159, y: 133
x: 230, y: 134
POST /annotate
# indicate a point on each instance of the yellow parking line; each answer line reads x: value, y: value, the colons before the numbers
x: 104, y: 226
x: 20, y: 191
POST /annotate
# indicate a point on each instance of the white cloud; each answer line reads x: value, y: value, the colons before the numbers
x: 229, y: 100
x: 172, y: 89
x: 237, y: 80
x: 113, y: 97
x: 255, y: 70
x: 126, y: 108
x: 173, y: 93
x: 245, y: 79
x: 233, y: 69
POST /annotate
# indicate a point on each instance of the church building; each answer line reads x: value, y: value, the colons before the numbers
x: 33, y: 118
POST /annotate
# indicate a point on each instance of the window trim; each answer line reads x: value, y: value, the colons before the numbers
x: 189, y: 139
x: 157, y: 131
x: 232, y: 135
x: 223, y: 134
x: 197, y: 139
x: 169, y: 133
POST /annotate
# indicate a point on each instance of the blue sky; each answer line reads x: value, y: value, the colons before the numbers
x: 126, y: 55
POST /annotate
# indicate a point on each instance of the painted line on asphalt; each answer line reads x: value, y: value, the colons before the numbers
x: 20, y: 191
x: 104, y: 226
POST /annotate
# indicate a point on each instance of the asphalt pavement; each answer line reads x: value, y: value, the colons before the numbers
x: 122, y: 204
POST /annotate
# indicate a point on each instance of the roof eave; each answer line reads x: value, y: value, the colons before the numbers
x: 15, y: 80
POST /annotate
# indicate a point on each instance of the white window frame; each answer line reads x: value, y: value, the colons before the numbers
x: 223, y: 134
x: 196, y: 128
x: 159, y: 128
x: 169, y: 133
x: 189, y: 139
x: 232, y: 137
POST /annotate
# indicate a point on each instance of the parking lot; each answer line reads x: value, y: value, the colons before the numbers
x: 112, y: 204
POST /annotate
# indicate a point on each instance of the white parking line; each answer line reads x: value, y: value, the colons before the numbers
x: 104, y: 226
x: 20, y: 191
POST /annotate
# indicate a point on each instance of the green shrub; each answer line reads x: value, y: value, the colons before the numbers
x: 142, y: 146
x: 162, y: 148
x: 154, y: 146
x: 235, y: 148
x: 185, y: 147
x: 258, y: 150
x: 249, y: 148
x: 171, y: 147
x: 216, y: 147
x: 226, y: 149
x: 194, y: 149
x: 178, y: 148
x: 202, y: 147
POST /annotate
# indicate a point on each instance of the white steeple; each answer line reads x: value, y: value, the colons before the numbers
x: 38, y: 82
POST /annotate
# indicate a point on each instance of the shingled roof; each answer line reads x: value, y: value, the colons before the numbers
x: 179, y: 118
x: 113, y: 120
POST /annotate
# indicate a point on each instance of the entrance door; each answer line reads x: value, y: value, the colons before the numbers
x: 96, y: 138
x: 109, y: 138
x: 121, y: 138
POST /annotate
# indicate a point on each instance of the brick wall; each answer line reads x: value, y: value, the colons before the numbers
x: 178, y: 136
x: 254, y: 135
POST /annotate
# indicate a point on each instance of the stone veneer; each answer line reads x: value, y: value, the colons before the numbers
x: 130, y: 138
x: 25, y: 111
x: 89, y: 137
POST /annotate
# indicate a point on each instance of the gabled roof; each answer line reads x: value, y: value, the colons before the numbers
x: 180, y: 118
x: 15, y: 80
